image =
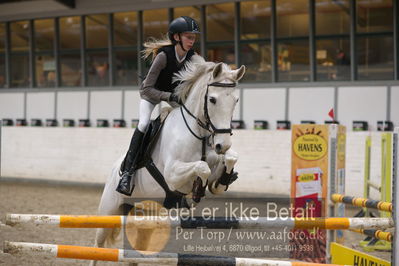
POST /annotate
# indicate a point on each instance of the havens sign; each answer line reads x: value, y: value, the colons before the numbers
x: 310, y: 147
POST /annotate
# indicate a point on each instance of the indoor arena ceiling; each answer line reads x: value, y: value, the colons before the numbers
x: 68, y: 3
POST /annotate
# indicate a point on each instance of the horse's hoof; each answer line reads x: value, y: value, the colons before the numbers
x: 191, y: 203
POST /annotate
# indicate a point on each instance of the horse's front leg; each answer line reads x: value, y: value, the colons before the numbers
x: 181, y: 175
x: 230, y: 160
x: 224, y: 172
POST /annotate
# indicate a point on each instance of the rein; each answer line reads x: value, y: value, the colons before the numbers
x: 203, y: 139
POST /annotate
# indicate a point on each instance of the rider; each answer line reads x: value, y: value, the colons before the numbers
x: 169, y: 56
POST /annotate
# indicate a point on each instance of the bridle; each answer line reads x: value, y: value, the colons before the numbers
x: 207, y: 125
x: 206, y: 114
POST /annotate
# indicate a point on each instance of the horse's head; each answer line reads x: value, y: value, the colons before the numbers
x: 207, y: 90
x: 219, y: 104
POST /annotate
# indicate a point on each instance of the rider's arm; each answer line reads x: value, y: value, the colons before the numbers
x: 148, y: 91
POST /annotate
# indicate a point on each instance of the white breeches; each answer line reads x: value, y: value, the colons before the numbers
x: 145, y: 112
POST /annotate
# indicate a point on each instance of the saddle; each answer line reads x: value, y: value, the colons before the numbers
x: 173, y: 199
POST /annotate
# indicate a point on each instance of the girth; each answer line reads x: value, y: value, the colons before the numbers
x: 173, y: 199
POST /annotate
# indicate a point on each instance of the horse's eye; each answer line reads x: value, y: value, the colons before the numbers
x: 212, y: 100
x: 237, y: 100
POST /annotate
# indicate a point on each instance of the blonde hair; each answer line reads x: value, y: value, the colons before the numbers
x: 152, y: 46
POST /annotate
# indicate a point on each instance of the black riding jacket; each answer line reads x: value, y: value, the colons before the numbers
x: 164, y: 81
x: 158, y: 84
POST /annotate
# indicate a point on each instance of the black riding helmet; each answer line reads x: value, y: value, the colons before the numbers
x: 180, y: 25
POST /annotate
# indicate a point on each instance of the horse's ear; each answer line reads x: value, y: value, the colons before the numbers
x: 217, y: 70
x: 240, y: 72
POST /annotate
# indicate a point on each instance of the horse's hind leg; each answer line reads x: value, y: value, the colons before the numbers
x: 101, y: 236
x: 109, y: 205
x: 110, y: 234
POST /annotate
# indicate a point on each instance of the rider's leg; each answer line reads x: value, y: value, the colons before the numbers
x: 129, y: 162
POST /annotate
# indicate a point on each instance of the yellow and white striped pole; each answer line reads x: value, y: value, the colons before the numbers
x: 133, y: 256
x: 150, y: 222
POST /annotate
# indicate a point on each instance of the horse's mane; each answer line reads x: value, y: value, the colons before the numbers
x: 194, y: 71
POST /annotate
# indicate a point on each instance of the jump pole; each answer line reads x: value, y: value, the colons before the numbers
x: 395, y: 197
x: 152, y: 222
x: 367, y: 166
x: 133, y: 256
x: 385, y: 187
x: 386, y: 168
x: 362, y: 202
x: 387, y: 236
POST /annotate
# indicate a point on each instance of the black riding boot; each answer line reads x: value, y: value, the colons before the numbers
x: 129, y: 163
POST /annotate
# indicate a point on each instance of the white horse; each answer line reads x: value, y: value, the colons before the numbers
x: 207, y: 91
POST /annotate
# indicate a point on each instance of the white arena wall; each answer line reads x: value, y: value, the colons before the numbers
x: 87, y: 154
x: 367, y: 103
